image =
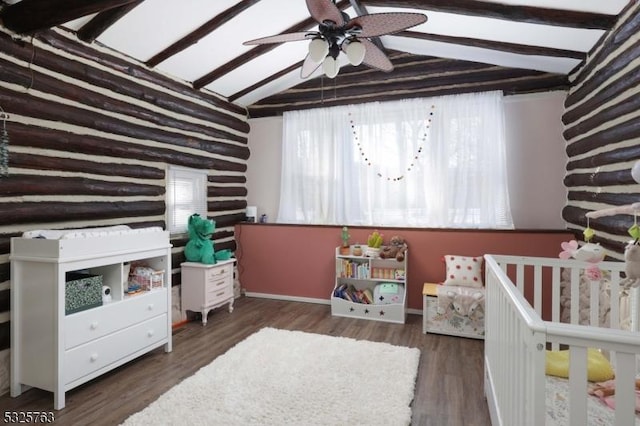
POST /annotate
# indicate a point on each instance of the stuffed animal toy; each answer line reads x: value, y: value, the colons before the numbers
x: 589, y: 252
x: 200, y: 247
x: 632, y: 265
x: 396, y: 248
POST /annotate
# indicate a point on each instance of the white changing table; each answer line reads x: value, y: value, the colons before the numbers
x: 57, y: 352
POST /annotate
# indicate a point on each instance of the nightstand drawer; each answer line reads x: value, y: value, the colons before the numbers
x: 218, y: 273
x: 218, y: 294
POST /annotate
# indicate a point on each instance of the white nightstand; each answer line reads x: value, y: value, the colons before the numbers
x: 206, y: 287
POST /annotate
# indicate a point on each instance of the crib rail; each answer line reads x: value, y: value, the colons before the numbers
x: 514, y: 339
x: 517, y: 336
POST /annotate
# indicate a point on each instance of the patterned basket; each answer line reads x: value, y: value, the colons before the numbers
x: 82, y: 291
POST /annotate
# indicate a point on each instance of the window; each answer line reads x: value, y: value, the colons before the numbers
x: 437, y: 162
x: 186, y: 195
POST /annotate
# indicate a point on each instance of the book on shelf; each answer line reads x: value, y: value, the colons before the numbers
x: 339, y: 291
x: 367, y: 296
x: 351, y: 294
x: 350, y: 269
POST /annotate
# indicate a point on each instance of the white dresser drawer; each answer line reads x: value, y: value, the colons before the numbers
x: 85, y: 359
x: 91, y: 324
x: 219, y: 272
x: 218, y: 293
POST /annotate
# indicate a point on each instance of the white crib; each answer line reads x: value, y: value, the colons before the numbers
x: 517, y: 336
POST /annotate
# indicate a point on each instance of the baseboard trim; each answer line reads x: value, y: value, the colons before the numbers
x: 287, y: 298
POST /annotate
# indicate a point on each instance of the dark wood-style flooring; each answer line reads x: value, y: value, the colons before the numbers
x: 449, y: 388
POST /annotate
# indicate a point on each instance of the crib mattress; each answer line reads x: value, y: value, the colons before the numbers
x: 557, y: 402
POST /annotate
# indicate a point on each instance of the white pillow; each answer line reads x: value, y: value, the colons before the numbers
x: 465, y: 271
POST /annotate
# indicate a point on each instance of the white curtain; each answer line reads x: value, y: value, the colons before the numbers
x: 431, y: 162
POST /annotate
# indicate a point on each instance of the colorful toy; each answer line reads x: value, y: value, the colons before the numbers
x: 374, y: 240
x: 345, y: 236
x: 344, y: 248
x: 589, y: 252
x: 200, y: 247
x: 374, y: 243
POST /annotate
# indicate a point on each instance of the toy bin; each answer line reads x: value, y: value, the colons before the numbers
x: 82, y: 291
x: 147, y: 279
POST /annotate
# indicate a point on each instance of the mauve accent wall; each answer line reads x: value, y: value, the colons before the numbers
x: 298, y: 262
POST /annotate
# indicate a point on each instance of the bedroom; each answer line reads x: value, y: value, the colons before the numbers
x: 86, y: 169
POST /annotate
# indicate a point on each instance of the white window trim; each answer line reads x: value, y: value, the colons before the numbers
x: 186, y: 195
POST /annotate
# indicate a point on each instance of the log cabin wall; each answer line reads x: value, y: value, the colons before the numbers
x: 601, y: 119
x: 91, y: 135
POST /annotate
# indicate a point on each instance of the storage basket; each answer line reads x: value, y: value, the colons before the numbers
x: 149, y: 280
x: 82, y: 291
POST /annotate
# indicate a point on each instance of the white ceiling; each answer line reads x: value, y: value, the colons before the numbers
x: 156, y: 24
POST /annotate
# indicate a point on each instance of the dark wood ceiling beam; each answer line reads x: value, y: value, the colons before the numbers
x: 533, y: 15
x: 103, y: 20
x: 520, y: 49
x: 204, y: 30
x: 30, y: 16
x: 256, y: 51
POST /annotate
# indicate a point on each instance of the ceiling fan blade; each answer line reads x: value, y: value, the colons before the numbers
x: 374, y: 57
x: 280, y: 38
x: 325, y: 10
x: 308, y: 67
x: 378, y: 24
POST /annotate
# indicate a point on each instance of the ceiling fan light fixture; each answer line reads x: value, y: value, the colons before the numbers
x: 355, y: 52
x: 318, y: 49
x: 330, y: 66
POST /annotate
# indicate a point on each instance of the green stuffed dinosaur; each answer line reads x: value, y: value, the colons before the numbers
x: 200, y: 247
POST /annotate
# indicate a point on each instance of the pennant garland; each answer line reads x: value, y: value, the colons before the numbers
x: 415, y: 157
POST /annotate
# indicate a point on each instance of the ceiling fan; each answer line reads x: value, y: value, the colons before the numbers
x: 338, y: 32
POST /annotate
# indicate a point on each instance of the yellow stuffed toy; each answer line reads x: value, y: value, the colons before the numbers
x: 598, y: 367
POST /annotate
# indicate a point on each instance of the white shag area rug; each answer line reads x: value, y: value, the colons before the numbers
x: 279, y: 377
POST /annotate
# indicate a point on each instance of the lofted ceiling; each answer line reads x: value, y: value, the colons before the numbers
x: 201, y: 41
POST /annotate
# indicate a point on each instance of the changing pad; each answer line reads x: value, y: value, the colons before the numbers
x: 63, y: 234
